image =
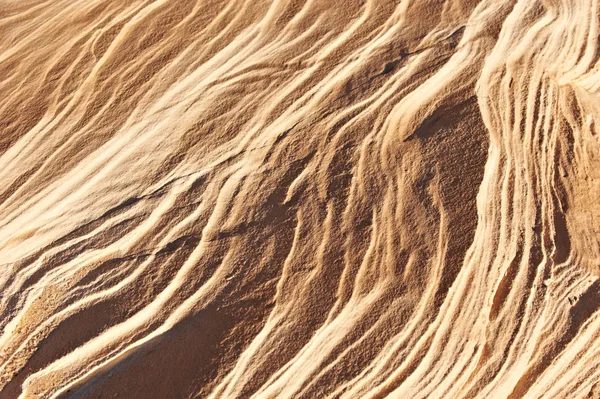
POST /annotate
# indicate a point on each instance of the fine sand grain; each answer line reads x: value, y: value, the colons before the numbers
x: 299, y: 199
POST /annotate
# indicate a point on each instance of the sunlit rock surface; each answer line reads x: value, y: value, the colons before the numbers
x: 299, y: 199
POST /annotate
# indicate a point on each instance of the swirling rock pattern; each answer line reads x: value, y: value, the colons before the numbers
x: 299, y: 199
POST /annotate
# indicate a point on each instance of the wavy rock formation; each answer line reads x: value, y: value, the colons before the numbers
x: 299, y: 199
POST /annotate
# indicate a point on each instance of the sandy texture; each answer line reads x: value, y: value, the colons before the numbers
x: 299, y: 199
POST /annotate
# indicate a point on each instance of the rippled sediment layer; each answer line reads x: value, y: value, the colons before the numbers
x: 299, y: 199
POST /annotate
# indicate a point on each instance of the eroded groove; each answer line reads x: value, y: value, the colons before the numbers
x: 299, y: 199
